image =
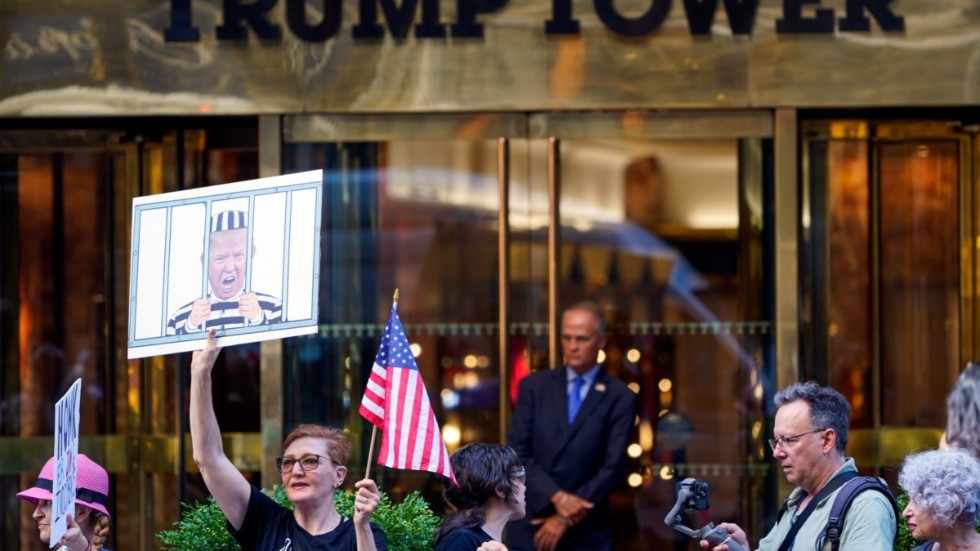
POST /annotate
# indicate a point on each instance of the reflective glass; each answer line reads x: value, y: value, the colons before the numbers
x: 882, y: 265
x: 419, y: 217
x: 652, y: 230
x: 919, y: 183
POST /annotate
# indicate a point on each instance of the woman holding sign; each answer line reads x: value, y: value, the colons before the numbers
x: 313, y: 466
x: 89, y: 526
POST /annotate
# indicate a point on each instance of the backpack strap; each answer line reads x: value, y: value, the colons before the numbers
x: 850, y: 490
x: 782, y: 510
x: 828, y: 488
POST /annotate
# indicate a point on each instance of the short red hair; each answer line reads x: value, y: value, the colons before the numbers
x: 338, y: 445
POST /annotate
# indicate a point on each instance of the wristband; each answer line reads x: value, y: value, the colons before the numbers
x: 562, y: 520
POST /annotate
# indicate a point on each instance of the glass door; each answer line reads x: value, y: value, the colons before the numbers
x: 889, y: 238
x: 410, y: 203
x: 660, y: 220
x: 59, y: 212
x: 65, y: 204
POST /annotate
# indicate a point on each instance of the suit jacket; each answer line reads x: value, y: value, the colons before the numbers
x: 586, y: 458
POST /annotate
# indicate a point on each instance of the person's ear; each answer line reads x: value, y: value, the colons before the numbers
x: 81, y: 513
x: 341, y: 475
x: 829, y: 440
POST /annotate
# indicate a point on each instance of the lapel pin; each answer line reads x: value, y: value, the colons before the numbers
x: 599, y: 387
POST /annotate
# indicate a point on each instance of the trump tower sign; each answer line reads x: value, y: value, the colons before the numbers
x: 400, y: 17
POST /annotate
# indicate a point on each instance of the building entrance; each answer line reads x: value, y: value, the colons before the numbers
x: 65, y: 207
x: 889, y: 244
x: 489, y: 224
x: 694, y: 231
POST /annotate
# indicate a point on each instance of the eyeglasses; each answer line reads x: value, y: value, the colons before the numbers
x: 787, y: 441
x: 307, y: 463
x: 519, y: 474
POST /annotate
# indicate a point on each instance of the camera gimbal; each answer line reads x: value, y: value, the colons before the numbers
x: 693, y: 496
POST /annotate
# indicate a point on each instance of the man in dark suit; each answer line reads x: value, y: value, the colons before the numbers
x: 570, y: 428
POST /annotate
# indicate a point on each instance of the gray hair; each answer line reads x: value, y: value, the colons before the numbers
x: 828, y: 408
x: 594, y: 309
x: 944, y: 482
x: 963, y: 411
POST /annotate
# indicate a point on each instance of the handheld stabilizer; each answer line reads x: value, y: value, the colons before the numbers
x: 693, y: 496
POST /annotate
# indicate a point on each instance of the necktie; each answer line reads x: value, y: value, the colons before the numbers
x: 575, y: 398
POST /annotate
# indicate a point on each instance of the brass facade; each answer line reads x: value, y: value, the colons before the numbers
x: 73, y: 58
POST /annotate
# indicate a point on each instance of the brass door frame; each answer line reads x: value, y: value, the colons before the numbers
x: 270, y: 366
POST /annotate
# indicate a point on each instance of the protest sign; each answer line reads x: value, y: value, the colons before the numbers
x: 66, y: 422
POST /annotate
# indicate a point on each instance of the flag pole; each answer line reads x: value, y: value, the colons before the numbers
x: 367, y: 470
x: 374, y: 430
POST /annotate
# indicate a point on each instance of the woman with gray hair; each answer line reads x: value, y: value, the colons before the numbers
x: 944, y: 499
x: 963, y: 411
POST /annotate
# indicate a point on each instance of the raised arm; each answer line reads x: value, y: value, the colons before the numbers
x: 230, y: 489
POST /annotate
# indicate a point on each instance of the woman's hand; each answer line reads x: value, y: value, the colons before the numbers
x: 73, y: 538
x: 203, y: 360
x: 365, y: 501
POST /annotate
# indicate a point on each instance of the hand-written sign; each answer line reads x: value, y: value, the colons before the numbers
x: 65, y: 460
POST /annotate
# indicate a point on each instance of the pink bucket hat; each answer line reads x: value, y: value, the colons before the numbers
x: 91, y: 485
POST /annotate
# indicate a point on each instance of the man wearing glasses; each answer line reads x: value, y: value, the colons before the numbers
x: 313, y: 467
x: 810, y: 439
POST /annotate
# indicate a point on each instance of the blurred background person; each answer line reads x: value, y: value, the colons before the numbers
x: 88, y: 528
x: 963, y: 412
x: 570, y: 428
x: 944, y: 499
x: 490, y: 494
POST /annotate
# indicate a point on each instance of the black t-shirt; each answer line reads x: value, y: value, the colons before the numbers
x: 463, y: 539
x: 269, y: 526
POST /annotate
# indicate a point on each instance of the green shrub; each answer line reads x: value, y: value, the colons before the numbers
x: 408, y: 526
x: 203, y: 527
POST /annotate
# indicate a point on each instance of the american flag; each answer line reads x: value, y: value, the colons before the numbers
x: 395, y: 401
